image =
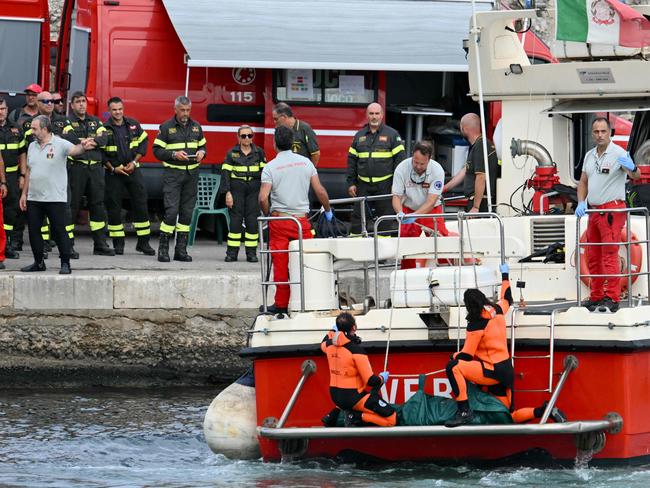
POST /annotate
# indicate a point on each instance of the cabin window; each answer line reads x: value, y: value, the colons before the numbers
x: 78, y: 68
x: 324, y: 87
x: 19, y: 54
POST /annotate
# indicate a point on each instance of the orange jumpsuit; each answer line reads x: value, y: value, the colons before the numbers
x: 350, y: 378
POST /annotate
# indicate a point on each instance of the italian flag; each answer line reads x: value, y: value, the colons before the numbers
x: 601, y: 22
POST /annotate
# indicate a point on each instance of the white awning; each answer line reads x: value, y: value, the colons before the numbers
x: 589, y: 105
x: 397, y: 35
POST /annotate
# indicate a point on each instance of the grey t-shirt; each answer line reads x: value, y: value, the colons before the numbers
x: 605, y: 177
x: 48, y: 173
x: 416, y: 188
x: 290, y: 176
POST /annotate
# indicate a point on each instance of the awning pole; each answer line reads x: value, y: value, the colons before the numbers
x: 477, y: 39
x: 187, y: 80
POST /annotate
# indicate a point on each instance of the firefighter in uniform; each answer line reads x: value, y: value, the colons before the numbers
x: 46, y: 105
x: 13, y: 150
x: 86, y: 172
x: 305, y: 142
x: 127, y: 143
x: 375, y: 152
x: 23, y: 116
x: 181, y: 147
x: 241, y: 173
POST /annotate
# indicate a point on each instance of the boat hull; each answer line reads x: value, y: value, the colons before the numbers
x: 606, y: 380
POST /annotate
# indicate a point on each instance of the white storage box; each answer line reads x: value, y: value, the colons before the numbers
x: 413, y: 287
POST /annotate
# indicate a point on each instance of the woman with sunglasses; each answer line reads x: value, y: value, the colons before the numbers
x: 417, y: 186
x: 241, y: 173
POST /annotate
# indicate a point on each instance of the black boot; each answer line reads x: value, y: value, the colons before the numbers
x: 36, y: 266
x: 65, y: 268
x: 231, y: 254
x: 73, y: 254
x: 100, y: 246
x: 144, y: 247
x: 332, y: 418
x: 251, y: 254
x: 10, y: 251
x: 163, y: 247
x: 17, y: 240
x: 180, y: 251
x: 118, y: 245
x: 464, y: 415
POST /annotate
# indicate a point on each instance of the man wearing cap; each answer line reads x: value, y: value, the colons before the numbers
x: 86, y: 171
x: 23, y: 116
x: 12, y: 152
x: 417, y: 185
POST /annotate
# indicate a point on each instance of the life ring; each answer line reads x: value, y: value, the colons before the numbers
x: 636, y: 257
x: 430, y: 263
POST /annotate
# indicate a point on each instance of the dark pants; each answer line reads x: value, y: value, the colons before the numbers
x: 179, y: 197
x: 56, y: 213
x: 88, y: 180
x: 13, y: 216
x: 245, y: 208
x: 134, y: 185
x: 374, y: 410
x: 378, y: 207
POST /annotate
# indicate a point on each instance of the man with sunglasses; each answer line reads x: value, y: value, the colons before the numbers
x: 23, y: 116
x: 241, y: 173
x: 59, y: 103
x: 375, y: 152
x: 417, y: 186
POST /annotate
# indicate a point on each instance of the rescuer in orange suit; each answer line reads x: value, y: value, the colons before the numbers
x: 485, y: 359
x: 353, y: 387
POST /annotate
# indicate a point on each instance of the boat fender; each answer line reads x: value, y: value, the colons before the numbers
x: 230, y: 424
x: 636, y: 257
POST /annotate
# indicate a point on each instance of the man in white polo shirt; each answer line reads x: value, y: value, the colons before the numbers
x: 417, y: 186
x: 602, y: 184
x: 286, y: 180
x: 45, y: 192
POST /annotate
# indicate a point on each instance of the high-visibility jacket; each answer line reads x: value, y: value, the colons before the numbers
x: 89, y: 126
x: 348, y: 363
x: 12, y: 145
x: 59, y: 122
x: 373, y: 157
x: 138, y: 142
x: 240, y: 166
x: 173, y: 136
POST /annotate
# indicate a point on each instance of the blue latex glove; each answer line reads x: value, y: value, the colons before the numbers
x: 329, y: 215
x: 408, y: 220
x: 504, y: 268
x: 334, y: 328
x: 581, y: 209
x: 404, y: 219
x: 626, y: 162
x: 384, y: 376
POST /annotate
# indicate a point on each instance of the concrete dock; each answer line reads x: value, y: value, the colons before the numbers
x: 126, y: 320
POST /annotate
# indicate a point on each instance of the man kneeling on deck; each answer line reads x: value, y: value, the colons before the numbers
x: 484, y: 359
x: 351, y: 376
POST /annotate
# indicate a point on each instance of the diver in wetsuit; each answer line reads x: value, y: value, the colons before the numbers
x: 351, y: 376
x: 485, y: 359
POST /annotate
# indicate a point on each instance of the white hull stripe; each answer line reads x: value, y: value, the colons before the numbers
x: 233, y: 129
